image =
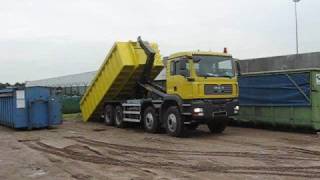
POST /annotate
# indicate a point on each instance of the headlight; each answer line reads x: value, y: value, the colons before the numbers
x: 197, y: 110
x: 237, y: 108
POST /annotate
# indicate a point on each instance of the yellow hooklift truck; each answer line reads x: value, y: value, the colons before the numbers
x: 198, y: 88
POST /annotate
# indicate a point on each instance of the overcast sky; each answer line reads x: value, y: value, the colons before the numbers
x: 48, y: 38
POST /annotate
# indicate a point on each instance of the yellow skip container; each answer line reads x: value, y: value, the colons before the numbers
x: 117, y: 77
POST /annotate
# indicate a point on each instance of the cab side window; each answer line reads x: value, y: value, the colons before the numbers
x: 188, y: 68
x: 176, y: 68
x: 183, y: 68
x: 173, y: 68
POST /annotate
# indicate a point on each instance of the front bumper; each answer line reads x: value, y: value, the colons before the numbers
x: 208, y: 110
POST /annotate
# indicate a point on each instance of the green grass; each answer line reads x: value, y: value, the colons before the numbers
x: 72, y: 117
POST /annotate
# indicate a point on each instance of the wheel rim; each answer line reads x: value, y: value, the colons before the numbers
x: 149, y: 120
x: 172, y: 122
x: 118, y: 121
x: 107, y: 118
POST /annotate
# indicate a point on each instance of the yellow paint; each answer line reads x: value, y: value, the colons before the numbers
x: 193, y: 53
x: 188, y: 90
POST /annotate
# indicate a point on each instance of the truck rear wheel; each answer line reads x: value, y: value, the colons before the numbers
x: 151, y: 122
x: 217, y: 126
x: 119, y: 117
x: 109, y: 115
x: 174, y: 122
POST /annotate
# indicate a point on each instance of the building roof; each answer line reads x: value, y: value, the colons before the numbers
x: 295, y: 62
x: 82, y: 79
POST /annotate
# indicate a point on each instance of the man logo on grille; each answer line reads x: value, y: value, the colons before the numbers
x: 218, y: 88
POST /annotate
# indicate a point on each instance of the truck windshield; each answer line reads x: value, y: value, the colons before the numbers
x: 213, y: 66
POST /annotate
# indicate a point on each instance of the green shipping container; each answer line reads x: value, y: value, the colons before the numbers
x: 70, y: 104
x: 296, y: 106
x: 281, y: 91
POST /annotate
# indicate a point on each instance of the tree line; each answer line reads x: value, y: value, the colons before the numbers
x: 6, y: 85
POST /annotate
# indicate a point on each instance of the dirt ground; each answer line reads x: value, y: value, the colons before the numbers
x: 77, y: 150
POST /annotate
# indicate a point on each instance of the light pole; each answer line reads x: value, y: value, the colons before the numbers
x: 296, y: 18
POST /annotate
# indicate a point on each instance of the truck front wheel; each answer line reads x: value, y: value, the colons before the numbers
x: 151, y: 122
x: 174, y: 122
x: 109, y: 115
x: 119, y: 117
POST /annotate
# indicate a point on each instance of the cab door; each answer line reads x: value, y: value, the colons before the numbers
x: 178, y: 78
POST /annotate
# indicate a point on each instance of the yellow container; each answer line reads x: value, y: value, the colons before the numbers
x: 117, y: 77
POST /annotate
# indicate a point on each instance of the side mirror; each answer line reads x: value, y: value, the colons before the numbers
x: 238, y: 67
x: 196, y: 59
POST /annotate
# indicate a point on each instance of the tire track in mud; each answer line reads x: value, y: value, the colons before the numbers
x: 135, y: 149
x: 288, y: 149
x: 87, y: 154
x: 98, y: 158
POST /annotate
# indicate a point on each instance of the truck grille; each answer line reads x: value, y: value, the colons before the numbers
x: 214, y: 89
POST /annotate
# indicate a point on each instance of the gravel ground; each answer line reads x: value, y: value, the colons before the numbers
x: 77, y: 150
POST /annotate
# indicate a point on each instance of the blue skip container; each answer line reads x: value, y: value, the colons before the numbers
x: 29, y: 108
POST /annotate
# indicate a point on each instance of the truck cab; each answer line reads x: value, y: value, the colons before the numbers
x: 201, y: 75
x: 205, y: 86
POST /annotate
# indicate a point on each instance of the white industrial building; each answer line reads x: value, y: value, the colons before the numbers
x: 81, y: 79
x: 72, y: 85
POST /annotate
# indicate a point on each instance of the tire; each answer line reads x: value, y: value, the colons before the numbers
x: 150, y: 120
x: 118, y: 120
x: 217, y: 127
x: 174, y: 122
x: 109, y: 115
